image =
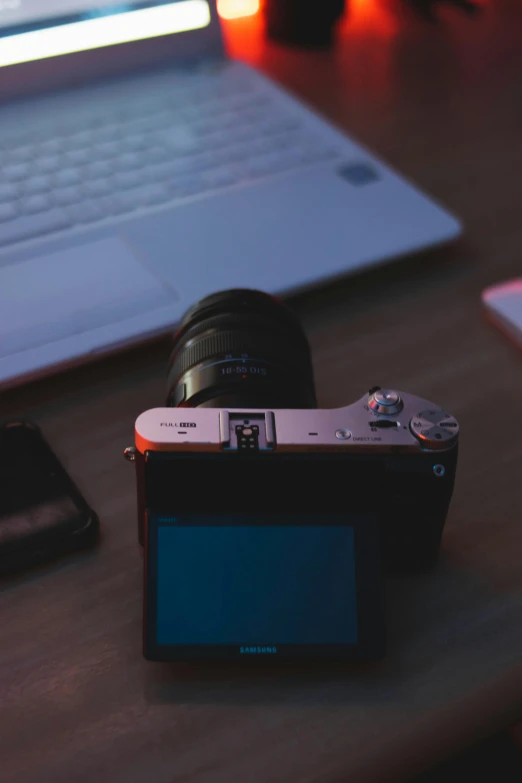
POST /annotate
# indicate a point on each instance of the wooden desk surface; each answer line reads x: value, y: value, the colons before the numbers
x: 444, y: 105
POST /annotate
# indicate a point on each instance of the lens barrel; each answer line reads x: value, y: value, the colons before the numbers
x: 240, y: 349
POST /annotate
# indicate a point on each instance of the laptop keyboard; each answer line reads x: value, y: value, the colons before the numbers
x: 213, y: 133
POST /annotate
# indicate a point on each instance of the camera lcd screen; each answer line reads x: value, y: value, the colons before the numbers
x: 256, y: 586
x: 291, y: 586
x: 262, y: 556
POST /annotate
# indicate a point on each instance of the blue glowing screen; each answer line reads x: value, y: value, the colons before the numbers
x: 255, y: 584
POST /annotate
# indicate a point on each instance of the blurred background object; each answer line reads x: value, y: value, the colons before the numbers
x: 233, y: 9
x: 303, y: 22
x: 312, y: 24
x: 427, y: 8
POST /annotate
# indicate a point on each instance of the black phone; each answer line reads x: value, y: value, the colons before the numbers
x: 42, y: 512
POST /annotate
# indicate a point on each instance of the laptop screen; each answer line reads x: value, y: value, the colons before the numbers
x: 32, y: 30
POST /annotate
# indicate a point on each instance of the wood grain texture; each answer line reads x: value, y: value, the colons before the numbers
x: 444, y: 105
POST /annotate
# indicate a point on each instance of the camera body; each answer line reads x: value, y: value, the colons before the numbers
x: 218, y: 487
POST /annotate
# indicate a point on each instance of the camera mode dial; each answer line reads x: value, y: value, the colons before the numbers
x: 435, y: 429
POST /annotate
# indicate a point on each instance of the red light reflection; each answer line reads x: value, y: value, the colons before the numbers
x: 373, y: 16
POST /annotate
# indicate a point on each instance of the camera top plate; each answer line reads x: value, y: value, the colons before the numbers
x: 383, y: 421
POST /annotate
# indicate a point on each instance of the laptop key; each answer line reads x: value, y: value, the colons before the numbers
x: 134, y: 143
x: 50, y: 148
x: 180, y: 139
x: 35, y: 226
x: 155, y: 173
x: 76, y: 140
x: 16, y: 172
x: 7, y: 212
x: 79, y: 157
x: 143, y: 125
x: 67, y: 177
x: 128, y: 179
x: 197, y: 163
x: 65, y: 196
x: 108, y: 133
x: 34, y: 204
x: 9, y: 191
x: 21, y: 154
x: 99, y: 187
x: 128, y: 162
x: 106, y: 150
x: 48, y: 164
x: 98, y: 169
x: 36, y: 185
x: 154, y: 155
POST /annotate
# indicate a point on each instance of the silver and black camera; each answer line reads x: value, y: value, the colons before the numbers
x: 267, y: 523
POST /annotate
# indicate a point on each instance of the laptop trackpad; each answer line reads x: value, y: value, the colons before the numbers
x: 72, y: 291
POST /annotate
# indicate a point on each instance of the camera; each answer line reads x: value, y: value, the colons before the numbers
x: 267, y: 523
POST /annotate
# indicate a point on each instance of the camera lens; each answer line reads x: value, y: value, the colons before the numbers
x: 240, y: 349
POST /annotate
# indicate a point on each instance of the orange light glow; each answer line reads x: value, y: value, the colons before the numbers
x: 233, y: 9
x: 371, y: 16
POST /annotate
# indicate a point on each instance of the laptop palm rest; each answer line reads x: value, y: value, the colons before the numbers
x: 73, y: 291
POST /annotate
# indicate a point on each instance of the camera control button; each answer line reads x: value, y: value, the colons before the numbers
x: 386, y: 402
x: 343, y: 434
x: 434, y: 429
x: 434, y: 416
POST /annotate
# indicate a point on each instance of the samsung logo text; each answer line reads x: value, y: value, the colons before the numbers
x: 258, y: 650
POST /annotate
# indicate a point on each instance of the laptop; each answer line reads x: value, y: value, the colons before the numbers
x: 141, y: 169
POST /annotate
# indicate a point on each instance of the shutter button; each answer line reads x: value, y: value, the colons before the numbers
x: 386, y: 402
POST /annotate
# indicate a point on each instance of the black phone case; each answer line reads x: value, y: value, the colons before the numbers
x: 42, y: 530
